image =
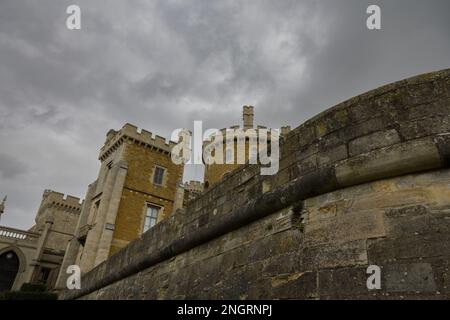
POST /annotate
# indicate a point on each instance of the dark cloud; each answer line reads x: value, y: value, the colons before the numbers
x: 10, y: 167
x: 163, y: 64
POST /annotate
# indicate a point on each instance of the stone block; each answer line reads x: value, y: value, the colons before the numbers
x: 331, y: 121
x: 409, y: 277
x: 333, y: 255
x: 345, y: 227
x: 425, y: 127
x: 333, y: 155
x: 416, y: 220
x: 307, y: 165
x: 413, y: 156
x: 441, y: 268
x: 416, y: 247
x: 288, y: 262
x: 343, y: 283
x: 422, y: 93
x: 440, y: 108
x: 373, y: 141
x: 299, y: 285
x: 305, y: 135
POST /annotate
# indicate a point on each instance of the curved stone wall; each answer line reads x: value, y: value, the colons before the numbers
x: 362, y: 183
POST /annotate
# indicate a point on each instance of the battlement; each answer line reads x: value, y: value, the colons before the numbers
x: 194, y: 185
x: 248, y: 114
x: 53, y: 198
x: 223, y: 131
x: 132, y: 133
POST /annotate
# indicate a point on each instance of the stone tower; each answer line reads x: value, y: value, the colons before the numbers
x: 40, y: 250
x: 135, y: 189
x: 216, y: 172
x: 55, y: 221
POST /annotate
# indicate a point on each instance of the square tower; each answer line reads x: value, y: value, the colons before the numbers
x: 135, y: 189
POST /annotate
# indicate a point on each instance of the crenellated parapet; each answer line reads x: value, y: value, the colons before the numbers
x: 53, y: 199
x: 194, y: 185
x: 129, y: 132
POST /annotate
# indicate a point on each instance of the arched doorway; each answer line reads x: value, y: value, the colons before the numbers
x: 9, y: 267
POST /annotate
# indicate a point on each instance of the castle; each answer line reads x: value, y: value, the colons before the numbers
x: 137, y: 187
x: 35, y: 255
x: 365, y: 183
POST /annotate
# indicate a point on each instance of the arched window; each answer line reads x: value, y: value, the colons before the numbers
x: 9, y: 267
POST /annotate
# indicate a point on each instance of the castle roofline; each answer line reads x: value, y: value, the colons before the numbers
x: 55, y: 199
x: 53, y: 196
x: 131, y: 132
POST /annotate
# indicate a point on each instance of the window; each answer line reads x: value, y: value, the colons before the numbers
x: 151, y: 216
x: 158, y: 177
x: 44, y: 275
x: 93, y: 213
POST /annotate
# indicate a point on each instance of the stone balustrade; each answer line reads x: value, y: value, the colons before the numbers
x: 16, y: 234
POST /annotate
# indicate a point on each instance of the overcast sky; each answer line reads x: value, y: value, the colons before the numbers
x: 163, y: 64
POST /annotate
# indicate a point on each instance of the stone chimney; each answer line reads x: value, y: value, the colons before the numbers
x: 247, y: 116
x: 285, y: 130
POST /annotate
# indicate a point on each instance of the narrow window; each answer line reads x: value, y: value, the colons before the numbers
x: 151, y: 216
x: 158, y: 177
x: 44, y: 275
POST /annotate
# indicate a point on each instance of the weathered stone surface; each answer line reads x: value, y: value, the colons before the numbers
x: 425, y: 127
x: 333, y: 255
x: 373, y: 141
x: 414, y: 156
x: 440, y: 108
x: 387, y: 207
x: 441, y: 267
x: 346, y: 227
x: 414, y: 277
x: 300, y: 285
x: 333, y: 155
x: 418, y: 247
x: 416, y: 220
x: 443, y: 144
x: 343, y: 283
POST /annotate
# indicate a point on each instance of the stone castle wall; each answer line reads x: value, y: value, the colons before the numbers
x: 362, y: 183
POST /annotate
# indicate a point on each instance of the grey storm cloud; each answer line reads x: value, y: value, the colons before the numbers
x: 162, y: 64
x: 10, y: 167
